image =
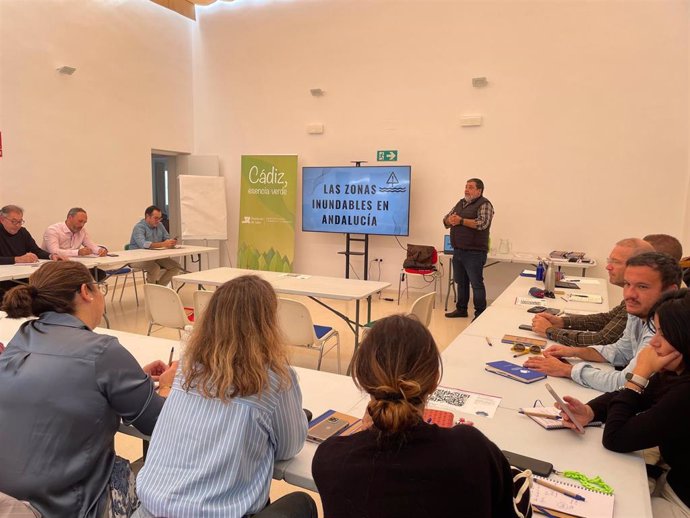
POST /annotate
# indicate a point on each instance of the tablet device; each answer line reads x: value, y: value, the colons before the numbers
x: 565, y: 408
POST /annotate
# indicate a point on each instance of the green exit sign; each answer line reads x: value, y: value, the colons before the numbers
x: 387, y: 155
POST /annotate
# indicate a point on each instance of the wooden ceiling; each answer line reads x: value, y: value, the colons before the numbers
x: 185, y: 7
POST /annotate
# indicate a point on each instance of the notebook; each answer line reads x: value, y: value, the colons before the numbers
x: 585, y: 297
x: 545, y: 422
x: 595, y: 504
x: 515, y: 372
x: 514, y: 339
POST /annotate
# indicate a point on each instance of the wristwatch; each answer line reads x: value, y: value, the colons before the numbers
x: 635, y: 379
x: 461, y: 221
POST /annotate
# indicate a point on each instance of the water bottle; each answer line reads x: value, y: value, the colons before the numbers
x: 550, y: 280
x: 540, y: 271
x: 184, y: 338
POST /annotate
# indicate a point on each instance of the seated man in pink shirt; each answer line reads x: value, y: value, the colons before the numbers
x: 70, y: 239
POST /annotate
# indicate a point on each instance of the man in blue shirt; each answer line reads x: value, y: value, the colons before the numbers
x: 150, y: 233
x: 647, y: 277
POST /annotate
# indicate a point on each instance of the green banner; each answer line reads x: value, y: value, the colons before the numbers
x: 268, y: 196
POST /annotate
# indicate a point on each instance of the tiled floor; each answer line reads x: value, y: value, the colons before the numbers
x: 127, y: 316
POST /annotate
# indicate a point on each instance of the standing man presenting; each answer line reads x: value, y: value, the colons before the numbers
x: 469, y: 223
x: 150, y: 233
x: 70, y: 238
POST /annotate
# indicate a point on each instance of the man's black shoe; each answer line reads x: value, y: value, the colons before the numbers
x: 456, y: 314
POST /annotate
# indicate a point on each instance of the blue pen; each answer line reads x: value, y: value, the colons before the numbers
x: 559, y: 489
x: 543, y: 511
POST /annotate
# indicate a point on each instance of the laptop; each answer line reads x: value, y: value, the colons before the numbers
x: 447, y: 247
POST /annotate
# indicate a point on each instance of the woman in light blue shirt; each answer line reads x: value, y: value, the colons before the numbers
x: 235, y: 407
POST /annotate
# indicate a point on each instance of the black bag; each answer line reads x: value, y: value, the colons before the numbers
x: 420, y: 257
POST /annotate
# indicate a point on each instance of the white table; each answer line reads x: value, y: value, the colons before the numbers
x: 22, y: 271
x: 520, y: 288
x: 532, y: 258
x: 313, y: 286
x: 526, y: 258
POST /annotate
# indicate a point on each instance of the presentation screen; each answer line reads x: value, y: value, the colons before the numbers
x: 356, y: 200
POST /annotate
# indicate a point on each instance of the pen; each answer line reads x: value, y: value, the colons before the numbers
x: 564, y: 299
x: 540, y: 414
x: 526, y: 351
x: 543, y: 511
x: 488, y: 341
x: 559, y: 489
x: 172, y: 350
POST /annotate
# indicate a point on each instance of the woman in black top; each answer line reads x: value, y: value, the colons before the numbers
x: 652, y: 408
x: 400, y: 466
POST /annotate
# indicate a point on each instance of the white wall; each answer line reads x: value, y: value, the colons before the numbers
x: 586, y: 113
x: 585, y: 138
x: 86, y: 139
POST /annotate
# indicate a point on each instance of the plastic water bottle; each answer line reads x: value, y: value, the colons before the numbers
x: 540, y: 271
x: 184, y: 338
x: 550, y: 280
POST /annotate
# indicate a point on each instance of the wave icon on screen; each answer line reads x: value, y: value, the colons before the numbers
x: 392, y: 181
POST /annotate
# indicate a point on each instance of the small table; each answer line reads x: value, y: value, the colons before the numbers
x: 313, y: 286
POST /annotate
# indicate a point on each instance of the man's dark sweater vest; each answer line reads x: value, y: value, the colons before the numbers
x: 468, y: 238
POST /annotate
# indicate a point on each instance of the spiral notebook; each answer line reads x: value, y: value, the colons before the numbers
x: 549, y: 423
x: 594, y: 505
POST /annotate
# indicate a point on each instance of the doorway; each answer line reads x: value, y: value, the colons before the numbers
x: 164, y: 190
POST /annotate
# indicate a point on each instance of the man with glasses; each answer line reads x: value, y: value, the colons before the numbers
x: 16, y: 244
x: 599, y: 328
x: 150, y: 233
x: 648, y: 277
x: 469, y: 223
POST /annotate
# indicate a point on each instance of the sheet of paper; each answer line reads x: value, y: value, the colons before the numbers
x: 295, y: 276
x: 530, y: 301
x: 459, y: 400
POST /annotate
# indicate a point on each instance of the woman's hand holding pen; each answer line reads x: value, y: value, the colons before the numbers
x: 166, y: 379
x: 583, y: 413
x: 155, y: 369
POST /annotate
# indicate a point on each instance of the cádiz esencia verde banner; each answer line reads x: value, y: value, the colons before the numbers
x: 268, y: 198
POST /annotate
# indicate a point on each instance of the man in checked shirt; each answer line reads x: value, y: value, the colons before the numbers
x: 599, y: 328
x: 469, y: 223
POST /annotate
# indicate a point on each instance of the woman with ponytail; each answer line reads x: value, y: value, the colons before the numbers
x: 63, y: 391
x: 400, y: 466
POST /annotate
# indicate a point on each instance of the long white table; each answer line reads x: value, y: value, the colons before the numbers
x: 313, y: 286
x: 526, y: 258
x: 520, y: 288
x: 22, y: 271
